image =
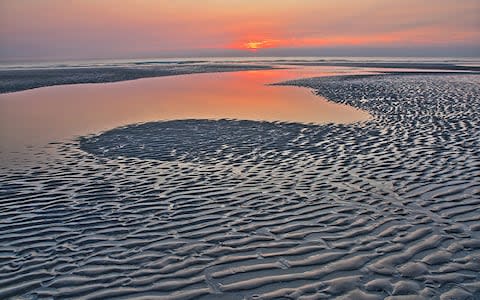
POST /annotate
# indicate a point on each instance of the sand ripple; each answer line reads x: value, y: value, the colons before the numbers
x: 226, y: 209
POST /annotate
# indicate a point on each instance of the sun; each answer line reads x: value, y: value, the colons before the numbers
x: 256, y: 45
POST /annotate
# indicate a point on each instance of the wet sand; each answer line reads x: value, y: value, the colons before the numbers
x: 19, y: 79
x: 227, y: 209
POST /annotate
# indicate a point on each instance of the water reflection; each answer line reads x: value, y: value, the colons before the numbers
x: 49, y: 114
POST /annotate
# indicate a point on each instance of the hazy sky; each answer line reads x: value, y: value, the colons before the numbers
x: 80, y: 29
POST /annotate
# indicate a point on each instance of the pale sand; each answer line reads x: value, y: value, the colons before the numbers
x: 197, y: 209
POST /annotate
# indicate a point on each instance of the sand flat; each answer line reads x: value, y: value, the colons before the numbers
x: 32, y: 117
x: 234, y: 209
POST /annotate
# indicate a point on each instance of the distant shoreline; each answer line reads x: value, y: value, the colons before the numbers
x: 394, y: 65
x: 25, y: 79
x: 16, y: 80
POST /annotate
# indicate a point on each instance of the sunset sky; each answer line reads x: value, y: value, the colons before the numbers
x: 81, y: 29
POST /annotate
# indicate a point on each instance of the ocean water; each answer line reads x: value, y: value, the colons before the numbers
x: 5, y: 65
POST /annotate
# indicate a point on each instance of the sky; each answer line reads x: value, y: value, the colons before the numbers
x: 89, y: 29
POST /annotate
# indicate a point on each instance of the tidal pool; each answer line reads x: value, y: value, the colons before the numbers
x: 51, y: 114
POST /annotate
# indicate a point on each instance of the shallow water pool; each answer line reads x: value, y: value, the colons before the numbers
x: 40, y: 116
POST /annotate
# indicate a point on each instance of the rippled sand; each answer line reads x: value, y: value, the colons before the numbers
x: 198, y: 209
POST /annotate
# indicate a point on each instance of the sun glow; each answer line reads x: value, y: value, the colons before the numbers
x: 255, y: 45
x: 143, y: 28
x: 425, y: 37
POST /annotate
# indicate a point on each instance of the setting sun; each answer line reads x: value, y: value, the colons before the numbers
x: 258, y: 44
x: 255, y: 45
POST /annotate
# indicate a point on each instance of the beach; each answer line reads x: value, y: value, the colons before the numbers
x: 386, y: 206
